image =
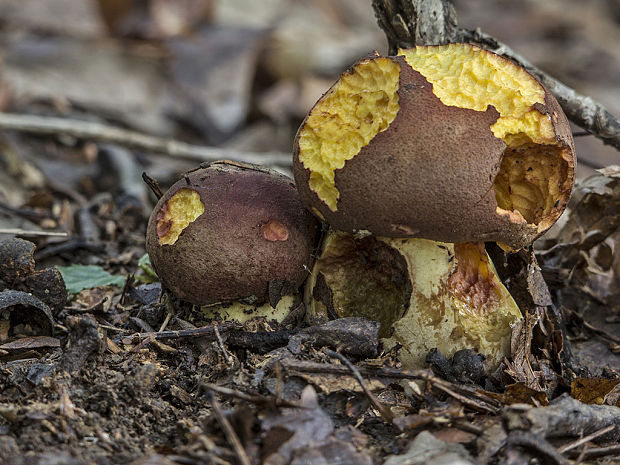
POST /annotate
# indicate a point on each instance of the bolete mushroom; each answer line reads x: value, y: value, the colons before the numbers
x: 235, y: 234
x: 450, y: 143
x: 444, y: 143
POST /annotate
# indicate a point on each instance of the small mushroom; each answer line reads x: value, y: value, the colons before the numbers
x: 450, y: 143
x: 233, y: 236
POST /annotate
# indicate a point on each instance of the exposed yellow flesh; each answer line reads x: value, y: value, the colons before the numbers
x: 468, y: 77
x: 531, y: 179
x: 177, y: 213
x: 241, y: 312
x: 362, y: 104
x: 533, y: 170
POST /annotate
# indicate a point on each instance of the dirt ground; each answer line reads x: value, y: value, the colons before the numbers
x: 85, y: 376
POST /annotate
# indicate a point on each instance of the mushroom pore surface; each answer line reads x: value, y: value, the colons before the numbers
x: 362, y: 104
x: 175, y: 215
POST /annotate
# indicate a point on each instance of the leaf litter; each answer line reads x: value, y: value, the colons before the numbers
x: 123, y: 374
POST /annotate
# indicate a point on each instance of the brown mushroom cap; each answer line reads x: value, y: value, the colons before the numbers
x: 231, y: 231
x: 450, y: 143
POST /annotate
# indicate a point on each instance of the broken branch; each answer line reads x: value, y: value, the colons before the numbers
x: 104, y: 133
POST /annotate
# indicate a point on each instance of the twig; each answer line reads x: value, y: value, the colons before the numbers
x: 26, y: 212
x: 229, y: 432
x: 467, y: 395
x: 599, y: 452
x: 471, y: 403
x: 581, y: 321
x: 580, y: 109
x: 221, y: 345
x: 433, y: 22
x: 538, y: 445
x: 583, y: 440
x: 197, y: 332
x: 384, y: 410
x: 153, y: 185
x: 259, y: 342
x: 28, y: 232
x: 104, y: 133
x: 255, y: 399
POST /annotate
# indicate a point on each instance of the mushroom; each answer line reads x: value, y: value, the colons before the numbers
x: 232, y: 236
x: 415, y: 160
x: 450, y: 143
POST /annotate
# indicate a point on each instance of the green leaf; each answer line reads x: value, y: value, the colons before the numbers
x: 149, y: 275
x: 80, y: 277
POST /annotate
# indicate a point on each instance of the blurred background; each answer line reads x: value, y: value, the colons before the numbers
x: 237, y: 74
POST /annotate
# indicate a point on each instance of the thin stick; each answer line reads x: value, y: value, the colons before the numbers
x: 205, y: 331
x: 485, y: 403
x: 384, y: 410
x: 112, y: 134
x: 583, y: 440
x: 543, y: 449
x: 255, y: 399
x: 221, y: 345
x: 230, y: 433
x: 600, y: 452
x: 580, y: 109
x: 28, y: 232
x: 153, y: 185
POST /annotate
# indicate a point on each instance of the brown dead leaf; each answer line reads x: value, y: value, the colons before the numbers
x: 301, y: 436
x: 98, y: 299
x: 34, y: 342
x: 295, y: 429
x: 154, y: 19
x: 88, y: 74
x: 331, y: 383
x: 454, y: 435
x: 520, y: 368
x: 427, y: 449
x: 597, y: 391
x: 412, y: 422
x: 213, y: 73
x: 519, y: 393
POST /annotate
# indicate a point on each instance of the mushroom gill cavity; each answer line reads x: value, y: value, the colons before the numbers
x: 363, y: 278
x: 363, y: 103
x: 425, y: 294
x: 176, y: 214
x: 534, y: 172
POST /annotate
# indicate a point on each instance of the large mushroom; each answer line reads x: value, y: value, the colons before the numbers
x: 441, y: 143
x: 449, y: 143
x: 425, y: 294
